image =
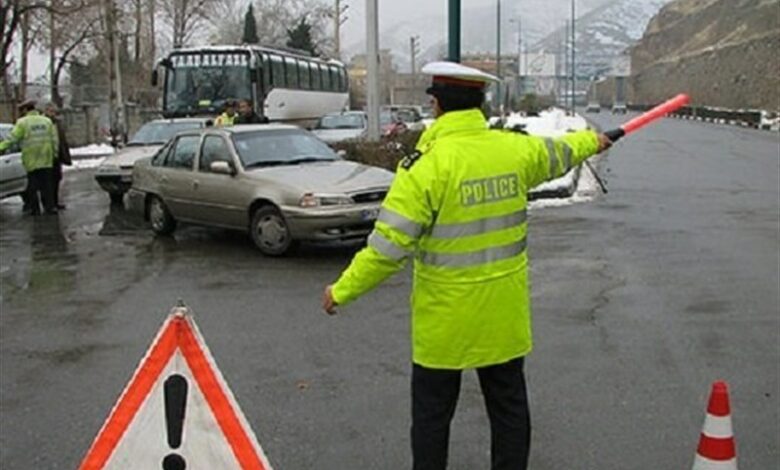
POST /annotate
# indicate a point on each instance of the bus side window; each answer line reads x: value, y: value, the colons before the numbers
x: 325, y: 72
x: 278, y: 72
x: 265, y: 63
x: 342, y: 80
x: 303, y: 68
x: 334, y: 78
x: 346, y: 80
x: 292, y: 73
x: 316, y: 78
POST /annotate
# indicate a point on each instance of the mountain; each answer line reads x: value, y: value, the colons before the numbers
x: 478, y: 30
x: 604, y: 33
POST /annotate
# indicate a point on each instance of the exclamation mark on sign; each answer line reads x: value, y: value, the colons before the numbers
x: 175, y: 389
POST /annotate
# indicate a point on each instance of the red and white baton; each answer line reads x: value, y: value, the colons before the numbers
x: 644, y: 119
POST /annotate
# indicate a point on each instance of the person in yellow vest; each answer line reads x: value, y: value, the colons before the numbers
x: 228, y: 117
x: 38, y: 138
x: 458, y: 208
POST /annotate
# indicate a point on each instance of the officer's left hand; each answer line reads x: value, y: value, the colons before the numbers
x: 328, y: 304
x: 604, y: 142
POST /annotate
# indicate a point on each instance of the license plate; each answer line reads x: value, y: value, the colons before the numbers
x: 369, y: 214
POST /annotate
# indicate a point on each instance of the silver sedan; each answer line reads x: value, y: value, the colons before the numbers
x: 278, y: 182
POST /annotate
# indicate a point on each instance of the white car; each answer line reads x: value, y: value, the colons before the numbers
x: 115, y: 174
x: 13, y: 177
x: 338, y: 127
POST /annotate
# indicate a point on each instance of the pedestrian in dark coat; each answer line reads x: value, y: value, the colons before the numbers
x: 62, y: 155
x: 247, y: 114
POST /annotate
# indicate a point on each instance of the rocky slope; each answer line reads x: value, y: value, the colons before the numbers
x: 722, y: 52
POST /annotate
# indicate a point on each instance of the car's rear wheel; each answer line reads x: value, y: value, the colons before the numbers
x: 270, y: 232
x: 161, y: 219
x: 117, y: 198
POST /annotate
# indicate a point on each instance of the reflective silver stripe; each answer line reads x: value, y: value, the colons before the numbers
x: 478, y: 227
x: 386, y: 247
x: 396, y: 220
x: 567, y: 156
x: 553, y: 157
x: 462, y: 260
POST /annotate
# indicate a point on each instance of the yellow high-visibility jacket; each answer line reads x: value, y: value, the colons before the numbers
x: 38, y: 138
x: 223, y: 120
x: 457, y: 206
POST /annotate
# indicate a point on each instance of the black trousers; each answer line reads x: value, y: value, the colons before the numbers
x: 56, y: 176
x: 40, y: 181
x: 435, y: 396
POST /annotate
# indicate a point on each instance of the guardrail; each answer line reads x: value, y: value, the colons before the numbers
x: 747, y: 118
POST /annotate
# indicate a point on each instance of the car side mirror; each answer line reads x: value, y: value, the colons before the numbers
x: 222, y: 168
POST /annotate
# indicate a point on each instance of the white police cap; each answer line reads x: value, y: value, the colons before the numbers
x: 454, y: 74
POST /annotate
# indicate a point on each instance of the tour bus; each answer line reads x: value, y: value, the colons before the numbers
x: 283, y: 85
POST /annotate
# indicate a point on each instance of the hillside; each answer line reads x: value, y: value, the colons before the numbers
x: 723, y: 52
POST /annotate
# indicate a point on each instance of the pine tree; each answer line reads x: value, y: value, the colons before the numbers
x: 250, y: 27
x: 300, y: 37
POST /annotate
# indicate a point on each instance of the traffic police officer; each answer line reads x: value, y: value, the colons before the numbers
x: 228, y: 117
x: 38, y: 138
x: 458, y: 208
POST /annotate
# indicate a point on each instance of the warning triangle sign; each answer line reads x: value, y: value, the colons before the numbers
x: 177, y: 412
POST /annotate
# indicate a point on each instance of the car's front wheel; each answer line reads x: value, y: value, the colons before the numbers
x: 161, y: 219
x: 270, y: 232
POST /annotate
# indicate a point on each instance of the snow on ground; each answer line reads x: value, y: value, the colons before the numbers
x: 91, y: 151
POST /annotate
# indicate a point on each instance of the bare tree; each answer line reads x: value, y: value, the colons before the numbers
x: 184, y: 18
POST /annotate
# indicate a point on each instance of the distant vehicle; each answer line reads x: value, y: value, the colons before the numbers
x: 338, y: 127
x: 13, y: 177
x: 115, y: 173
x: 619, y: 108
x: 278, y: 182
x: 390, y: 124
x: 593, y: 107
x: 283, y: 85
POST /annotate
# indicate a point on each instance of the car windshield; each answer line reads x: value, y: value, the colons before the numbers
x: 205, y: 84
x: 386, y: 118
x: 280, y: 147
x: 158, y: 133
x: 341, y: 121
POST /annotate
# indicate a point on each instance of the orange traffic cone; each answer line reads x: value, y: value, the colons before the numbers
x: 717, y: 450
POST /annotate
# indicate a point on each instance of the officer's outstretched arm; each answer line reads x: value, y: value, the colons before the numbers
x: 17, y: 133
x: 553, y: 157
x: 406, y: 212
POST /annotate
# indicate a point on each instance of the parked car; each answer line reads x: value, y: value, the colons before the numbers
x: 278, y: 182
x: 593, y: 107
x: 338, y: 127
x: 114, y: 175
x: 13, y: 177
x: 390, y: 124
x: 619, y: 108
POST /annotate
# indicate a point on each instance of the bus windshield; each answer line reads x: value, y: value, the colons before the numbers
x: 198, y: 86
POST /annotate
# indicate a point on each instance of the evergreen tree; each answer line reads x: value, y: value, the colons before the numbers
x: 250, y: 27
x: 300, y: 37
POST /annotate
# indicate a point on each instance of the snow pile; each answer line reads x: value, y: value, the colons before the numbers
x: 84, y: 163
x: 91, y: 151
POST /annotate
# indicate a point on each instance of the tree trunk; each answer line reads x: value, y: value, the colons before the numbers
x: 52, y: 53
x: 138, y: 29
x: 152, y: 34
x: 25, y: 30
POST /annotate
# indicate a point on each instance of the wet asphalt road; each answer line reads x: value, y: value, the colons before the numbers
x: 642, y: 298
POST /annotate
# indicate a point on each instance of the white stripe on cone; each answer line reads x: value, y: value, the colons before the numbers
x: 703, y: 463
x: 718, y: 426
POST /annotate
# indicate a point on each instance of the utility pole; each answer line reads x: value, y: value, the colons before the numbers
x: 573, y: 58
x: 339, y: 18
x: 52, y: 49
x: 414, y: 44
x: 372, y: 63
x: 454, y: 31
x: 109, y: 12
x: 498, y: 55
